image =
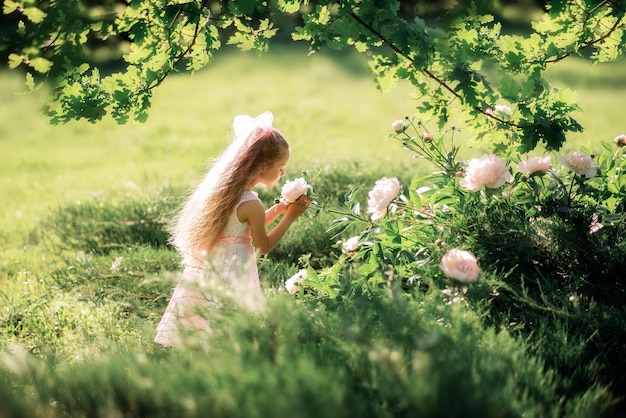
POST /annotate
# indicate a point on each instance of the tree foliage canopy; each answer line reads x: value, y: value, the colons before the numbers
x: 491, y: 80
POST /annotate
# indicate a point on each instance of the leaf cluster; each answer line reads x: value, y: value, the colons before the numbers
x: 162, y: 37
x: 473, y: 65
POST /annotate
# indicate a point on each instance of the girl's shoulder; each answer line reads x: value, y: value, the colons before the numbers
x: 248, y: 195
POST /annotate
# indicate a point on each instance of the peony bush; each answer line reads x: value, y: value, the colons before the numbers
x: 535, y: 242
x: 404, y: 230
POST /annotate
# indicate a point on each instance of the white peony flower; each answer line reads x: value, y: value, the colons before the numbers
x: 580, y: 163
x: 293, y: 189
x: 460, y: 265
x: 534, y: 165
x: 398, y: 125
x: 292, y: 283
x: 350, y: 245
x: 489, y: 171
x: 379, y: 198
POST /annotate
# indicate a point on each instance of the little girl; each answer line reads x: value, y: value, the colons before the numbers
x: 217, y: 226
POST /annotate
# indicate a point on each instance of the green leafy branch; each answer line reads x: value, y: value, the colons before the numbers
x: 588, y: 14
x: 539, y: 122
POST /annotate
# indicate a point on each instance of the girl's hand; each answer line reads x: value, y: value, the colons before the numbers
x: 298, y: 207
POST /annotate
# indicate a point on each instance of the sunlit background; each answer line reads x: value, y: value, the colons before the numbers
x: 327, y: 104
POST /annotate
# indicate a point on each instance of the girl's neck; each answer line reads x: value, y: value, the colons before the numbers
x: 252, y: 185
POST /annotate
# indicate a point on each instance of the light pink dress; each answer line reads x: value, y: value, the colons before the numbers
x: 232, y: 260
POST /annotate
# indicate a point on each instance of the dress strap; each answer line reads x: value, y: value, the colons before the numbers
x: 248, y: 195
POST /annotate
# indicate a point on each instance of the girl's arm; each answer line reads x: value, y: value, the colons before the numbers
x: 253, y: 212
x: 274, y: 212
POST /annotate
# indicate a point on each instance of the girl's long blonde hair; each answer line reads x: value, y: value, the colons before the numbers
x: 202, y: 219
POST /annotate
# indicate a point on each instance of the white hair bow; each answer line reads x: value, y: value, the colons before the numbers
x: 243, y: 125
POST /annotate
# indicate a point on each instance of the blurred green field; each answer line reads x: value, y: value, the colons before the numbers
x: 327, y: 105
x: 328, y: 110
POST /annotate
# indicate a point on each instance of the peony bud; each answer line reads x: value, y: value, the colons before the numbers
x: 292, y: 283
x: 398, y: 126
x: 620, y: 140
x: 534, y: 165
x: 350, y: 245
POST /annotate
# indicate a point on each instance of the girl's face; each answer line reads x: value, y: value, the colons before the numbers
x: 271, y: 173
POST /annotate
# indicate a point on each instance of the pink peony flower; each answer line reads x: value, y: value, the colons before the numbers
x: 489, y: 171
x: 350, y: 245
x: 580, y: 163
x: 460, y: 265
x: 379, y: 198
x: 539, y: 165
x: 293, y: 189
x: 620, y: 140
x: 398, y: 125
x: 292, y: 283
